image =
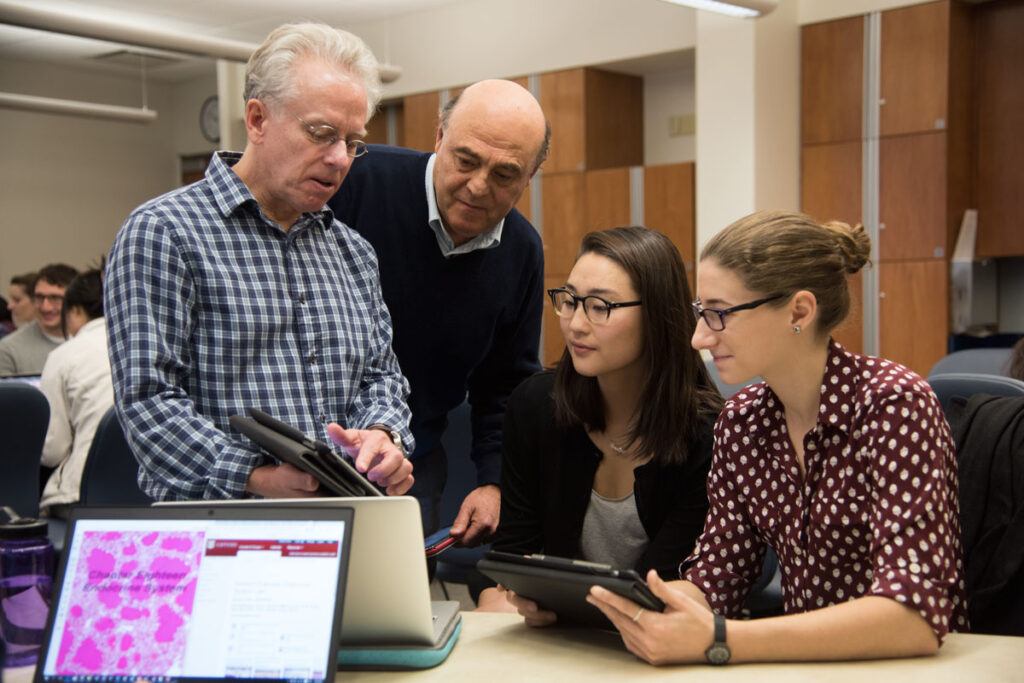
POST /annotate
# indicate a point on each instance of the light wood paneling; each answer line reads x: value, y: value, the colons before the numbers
x: 554, y: 342
x: 1000, y: 149
x: 914, y: 68
x: 832, y: 77
x: 850, y: 332
x: 669, y: 208
x: 563, y: 215
x: 561, y: 97
x: 830, y: 182
x: 420, y: 120
x: 614, y: 130
x: 909, y: 332
x: 607, y: 199
x: 912, y: 196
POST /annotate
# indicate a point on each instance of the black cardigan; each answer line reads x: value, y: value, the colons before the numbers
x: 548, y: 473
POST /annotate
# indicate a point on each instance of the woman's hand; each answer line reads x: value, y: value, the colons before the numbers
x: 493, y: 600
x: 679, y: 634
x: 534, y: 615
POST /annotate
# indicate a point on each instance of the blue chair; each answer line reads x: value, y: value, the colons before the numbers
x: 24, y: 417
x: 983, y: 361
x: 966, y: 384
x: 110, y: 475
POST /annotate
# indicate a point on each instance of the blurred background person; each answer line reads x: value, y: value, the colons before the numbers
x: 24, y: 351
x: 76, y: 382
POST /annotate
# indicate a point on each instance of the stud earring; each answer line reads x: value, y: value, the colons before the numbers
x: 796, y: 329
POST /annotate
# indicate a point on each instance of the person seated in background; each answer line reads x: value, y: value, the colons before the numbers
x: 842, y: 463
x: 605, y: 459
x: 242, y: 290
x: 6, y: 319
x: 76, y: 383
x: 462, y: 273
x: 19, y: 299
x: 24, y: 351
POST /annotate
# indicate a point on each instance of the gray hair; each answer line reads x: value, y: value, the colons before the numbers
x: 268, y: 75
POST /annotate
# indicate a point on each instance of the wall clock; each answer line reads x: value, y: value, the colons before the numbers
x: 209, y: 119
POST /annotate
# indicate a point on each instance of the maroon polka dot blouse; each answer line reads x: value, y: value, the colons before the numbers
x: 876, y: 514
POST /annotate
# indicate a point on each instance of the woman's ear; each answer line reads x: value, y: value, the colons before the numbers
x: 803, y: 309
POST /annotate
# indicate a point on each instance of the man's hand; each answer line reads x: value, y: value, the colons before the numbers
x: 282, y: 481
x: 375, y: 456
x: 478, y: 516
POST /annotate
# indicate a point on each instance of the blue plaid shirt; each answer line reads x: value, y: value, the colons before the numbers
x: 212, y: 308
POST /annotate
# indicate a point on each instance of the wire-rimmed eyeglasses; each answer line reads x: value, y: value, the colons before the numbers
x: 596, y: 308
x: 715, y: 317
x: 326, y: 135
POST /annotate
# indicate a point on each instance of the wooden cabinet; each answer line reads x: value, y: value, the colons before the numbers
x: 669, y: 208
x: 832, y: 80
x: 906, y: 320
x: 596, y: 119
x: 914, y: 84
x: 912, y: 197
x: 1000, y: 143
x: 419, y: 126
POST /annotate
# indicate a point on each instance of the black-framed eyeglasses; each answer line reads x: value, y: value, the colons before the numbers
x: 715, y: 317
x: 55, y: 299
x: 327, y: 135
x: 597, y: 309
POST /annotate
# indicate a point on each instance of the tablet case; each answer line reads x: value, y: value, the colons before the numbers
x: 397, y: 657
x: 561, y: 584
x: 333, y: 471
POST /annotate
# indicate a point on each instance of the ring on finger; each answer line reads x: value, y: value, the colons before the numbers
x: 636, y: 617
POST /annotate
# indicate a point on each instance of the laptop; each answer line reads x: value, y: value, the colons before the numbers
x: 202, y: 593
x: 387, y: 599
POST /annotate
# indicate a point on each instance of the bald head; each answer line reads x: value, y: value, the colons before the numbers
x: 496, y: 104
x: 491, y: 141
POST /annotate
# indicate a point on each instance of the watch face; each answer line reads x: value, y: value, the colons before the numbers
x: 718, y: 653
x: 209, y: 119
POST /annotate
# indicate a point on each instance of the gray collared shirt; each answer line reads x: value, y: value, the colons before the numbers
x: 487, y: 240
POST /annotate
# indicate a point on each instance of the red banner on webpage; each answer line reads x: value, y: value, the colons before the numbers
x: 230, y: 548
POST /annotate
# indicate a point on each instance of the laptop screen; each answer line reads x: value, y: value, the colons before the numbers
x: 198, y: 594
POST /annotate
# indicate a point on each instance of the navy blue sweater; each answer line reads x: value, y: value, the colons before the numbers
x: 466, y: 323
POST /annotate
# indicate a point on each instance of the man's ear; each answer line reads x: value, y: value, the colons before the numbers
x: 803, y: 309
x: 256, y: 118
x: 437, y: 140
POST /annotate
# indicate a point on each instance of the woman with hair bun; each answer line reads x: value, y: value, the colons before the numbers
x: 842, y: 463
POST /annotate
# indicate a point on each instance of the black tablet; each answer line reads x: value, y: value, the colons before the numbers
x: 561, y: 585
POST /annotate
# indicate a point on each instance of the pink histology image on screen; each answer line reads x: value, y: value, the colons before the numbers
x: 131, y: 603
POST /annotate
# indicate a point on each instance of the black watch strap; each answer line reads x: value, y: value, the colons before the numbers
x: 718, y: 653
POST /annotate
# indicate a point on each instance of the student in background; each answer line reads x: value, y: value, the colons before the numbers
x: 605, y: 459
x: 76, y: 382
x: 19, y: 299
x: 842, y: 463
x: 24, y: 351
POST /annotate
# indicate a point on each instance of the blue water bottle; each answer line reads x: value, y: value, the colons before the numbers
x: 26, y: 587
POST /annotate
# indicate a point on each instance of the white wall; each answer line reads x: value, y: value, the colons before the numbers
x: 67, y: 183
x: 668, y: 94
x: 474, y: 39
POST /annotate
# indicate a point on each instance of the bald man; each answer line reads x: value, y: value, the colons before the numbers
x: 462, y: 273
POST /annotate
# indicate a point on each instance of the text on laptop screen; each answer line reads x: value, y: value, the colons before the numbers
x: 197, y: 598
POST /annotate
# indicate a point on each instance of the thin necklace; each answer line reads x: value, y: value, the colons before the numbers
x: 620, y: 451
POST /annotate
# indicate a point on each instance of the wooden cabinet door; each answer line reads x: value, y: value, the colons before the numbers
x: 913, y: 312
x: 561, y: 96
x: 607, y: 199
x: 830, y: 182
x: 832, y: 78
x: 563, y: 216
x: 914, y: 85
x: 669, y: 208
x: 1000, y: 147
x: 912, y: 197
x: 420, y: 120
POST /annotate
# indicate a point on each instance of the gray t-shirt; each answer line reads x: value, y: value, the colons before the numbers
x: 24, y: 351
x: 612, y: 532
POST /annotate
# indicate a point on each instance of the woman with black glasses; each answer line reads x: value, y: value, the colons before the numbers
x: 606, y: 458
x: 842, y: 463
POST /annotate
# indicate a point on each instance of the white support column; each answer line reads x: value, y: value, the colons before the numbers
x: 230, y: 86
x: 748, y: 116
